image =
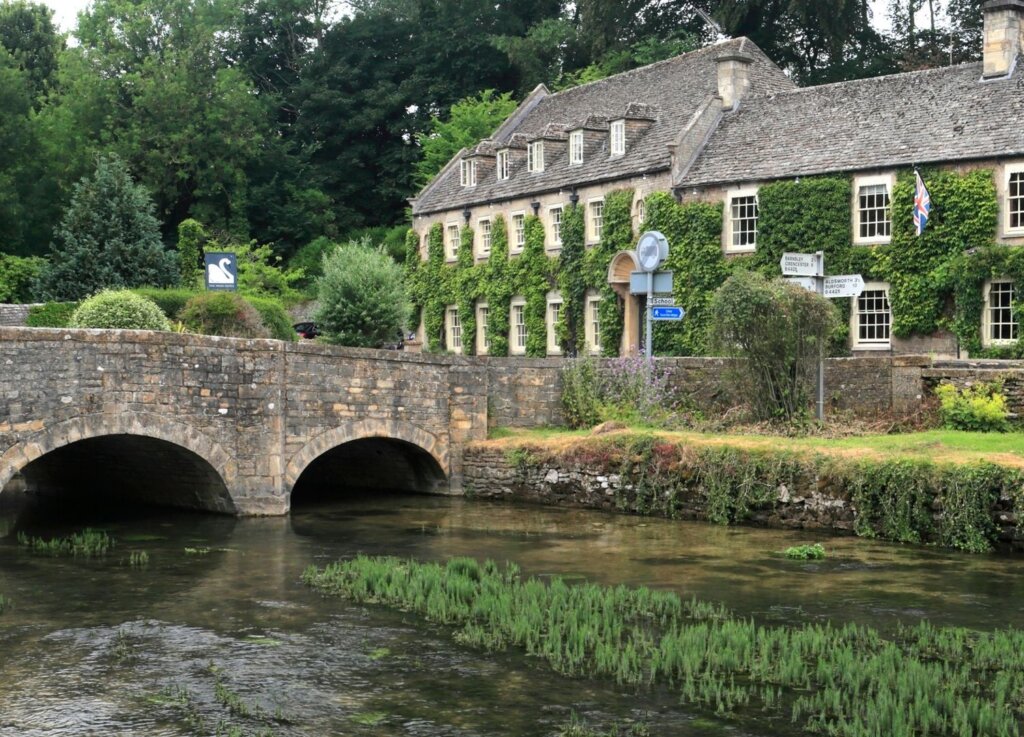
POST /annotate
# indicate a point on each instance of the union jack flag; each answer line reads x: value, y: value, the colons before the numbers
x: 922, y: 203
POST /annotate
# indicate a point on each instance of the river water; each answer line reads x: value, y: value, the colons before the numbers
x: 217, y: 635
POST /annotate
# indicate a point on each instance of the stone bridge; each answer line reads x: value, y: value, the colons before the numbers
x: 236, y: 426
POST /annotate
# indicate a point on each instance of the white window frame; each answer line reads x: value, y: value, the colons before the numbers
x: 556, y: 224
x: 517, y: 307
x: 873, y: 344
x: 502, y: 164
x: 467, y: 173
x: 483, y: 343
x: 592, y: 322
x: 576, y: 147
x: 535, y: 157
x: 1009, y: 171
x: 551, y: 317
x: 617, y: 138
x: 485, y: 232
x: 986, y: 316
x: 731, y: 220
x: 594, y: 232
x: 641, y: 211
x: 515, y: 245
x: 453, y: 329
x: 451, y: 245
x: 859, y: 183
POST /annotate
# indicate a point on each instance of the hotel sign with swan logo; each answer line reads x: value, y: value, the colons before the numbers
x: 221, y: 271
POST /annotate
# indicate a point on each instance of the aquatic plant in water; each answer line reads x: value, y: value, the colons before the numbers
x: 805, y: 552
x: 4, y: 603
x: 839, y: 680
x: 88, y: 543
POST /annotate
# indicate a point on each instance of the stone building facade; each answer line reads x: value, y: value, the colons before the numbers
x: 717, y: 125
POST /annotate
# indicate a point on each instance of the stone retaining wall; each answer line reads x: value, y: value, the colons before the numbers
x: 14, y: 315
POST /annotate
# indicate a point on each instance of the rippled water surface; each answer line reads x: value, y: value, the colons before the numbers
x: 217, y: 633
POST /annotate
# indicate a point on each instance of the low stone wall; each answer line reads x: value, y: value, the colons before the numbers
x: 809, y: 502
x: 14, y: 316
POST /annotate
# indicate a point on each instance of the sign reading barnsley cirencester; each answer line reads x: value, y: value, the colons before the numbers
x: 848, y: 285
x: 802, y: 264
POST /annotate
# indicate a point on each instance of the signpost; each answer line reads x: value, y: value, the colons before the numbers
x: 807, y: 270
x: 667, y: 313
x: 651, y: 252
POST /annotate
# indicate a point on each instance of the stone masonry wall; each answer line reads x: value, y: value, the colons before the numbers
x: 14, y: 315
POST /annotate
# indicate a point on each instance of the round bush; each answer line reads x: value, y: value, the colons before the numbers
x: 119, y: 309
x: 225, y: 314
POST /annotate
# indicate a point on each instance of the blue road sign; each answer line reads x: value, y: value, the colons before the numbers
x: 221, y: 271
x: 667, y: 313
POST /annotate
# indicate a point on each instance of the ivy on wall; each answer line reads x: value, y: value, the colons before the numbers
x: 936, y: 280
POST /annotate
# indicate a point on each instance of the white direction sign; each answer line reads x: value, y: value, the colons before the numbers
x: 810, y: 283
x: 848, y: 285
x: 663, y: 301
x: 802, y: 264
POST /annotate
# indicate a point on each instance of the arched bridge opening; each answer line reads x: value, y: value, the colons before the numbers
x: 371, y: 464
x: 117, y: 471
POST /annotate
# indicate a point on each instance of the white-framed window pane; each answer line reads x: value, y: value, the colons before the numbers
x: 576, y: 147
x: 481, y: 327
x: 502, y: 165
x: 467, y: 173
x: 873, y: 211
x: 1001, y: 325
x: 641, y: 211
x: 453, y: 241
x: 596, y: 219
x: 519, y: 230
x: 874, y: 318
x: 554, y: 315
x: 592, y: 327
x: 535, y: 156
x: 485, y: 237
x: 519, y: 327
x: 454, y: 330
x: 743, y: 221
x: 618, y: 135
x: 556, y: 225
x: 1015, y: 200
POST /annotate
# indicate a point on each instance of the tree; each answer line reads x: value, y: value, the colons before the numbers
x: 362, y: 298
x: 470, y: 120
x: 29, y: 36
x: 108, y: 237
x: 777, y: 331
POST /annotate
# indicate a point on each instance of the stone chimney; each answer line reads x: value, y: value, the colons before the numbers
x: 734, y: 76
x: 1004, y: 36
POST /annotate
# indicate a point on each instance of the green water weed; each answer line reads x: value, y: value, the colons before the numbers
x: 815, y: 551
x: 88, y: 543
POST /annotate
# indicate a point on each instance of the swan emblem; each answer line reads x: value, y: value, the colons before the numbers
x: 219, y: 273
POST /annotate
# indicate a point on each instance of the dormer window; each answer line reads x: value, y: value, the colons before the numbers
x: 535, y: 157
x: 502, y: 164
x: 576, y: 147
x: 467, y: 173
x: 618, y: 137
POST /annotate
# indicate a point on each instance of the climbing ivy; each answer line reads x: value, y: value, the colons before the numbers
x: 969, y: 272
x: 434, y: 299
x: 532, y: 279
x: 616, y: 235
x: 497, y: 289
x: 572, y: 281
x: 464, y: 289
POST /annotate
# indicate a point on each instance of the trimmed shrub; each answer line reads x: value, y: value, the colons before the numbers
x: 223, y: 313
x: 170, y: 301
x: 51, y: 315
x: 18, y: 276
x: 119, y: 309
x: 362, y: 298
x: 274, y: 316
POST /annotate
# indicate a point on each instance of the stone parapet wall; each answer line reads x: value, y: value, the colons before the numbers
x: 14, y: 315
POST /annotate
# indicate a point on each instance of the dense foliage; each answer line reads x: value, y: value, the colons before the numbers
x: 122, y: 309
x: 979, y: 408
x: 222, y: 313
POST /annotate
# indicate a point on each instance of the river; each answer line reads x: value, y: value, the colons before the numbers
x: 217, y: 635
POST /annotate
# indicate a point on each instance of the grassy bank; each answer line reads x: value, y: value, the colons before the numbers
x: 944, y: 487
x: 845, y: 681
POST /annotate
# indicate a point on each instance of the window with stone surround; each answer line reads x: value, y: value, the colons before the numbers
x: 595, y: 220
x: 592, y: 322
x: 872, y: 212
x: 742, y: 212
x: 518, y: 232
x: 451, y: 241
x: 517, y: 327
x: 484, y: 231
x: 871, y: 318
x: 999, y: 327
x: 555, y: 214
x: 453, y: 329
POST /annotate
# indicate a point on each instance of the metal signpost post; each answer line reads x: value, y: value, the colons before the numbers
x: 651, y: 252
x: 807, y: 270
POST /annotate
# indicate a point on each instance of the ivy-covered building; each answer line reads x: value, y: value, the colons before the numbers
x: 524, y: 241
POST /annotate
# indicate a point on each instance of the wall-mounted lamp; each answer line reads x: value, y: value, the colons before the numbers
x: 467, y: 214
x: 536, y: 206
x: 574, y: 198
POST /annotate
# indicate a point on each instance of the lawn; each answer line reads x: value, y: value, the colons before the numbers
x: 940, y: 446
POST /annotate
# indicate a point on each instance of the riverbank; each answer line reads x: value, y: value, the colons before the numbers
x: 954, y: 489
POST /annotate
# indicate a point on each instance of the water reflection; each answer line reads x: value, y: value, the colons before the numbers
x: 99, y: 647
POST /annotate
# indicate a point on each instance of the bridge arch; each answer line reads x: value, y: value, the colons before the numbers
x: 144, y: 438
x: 415, y: 457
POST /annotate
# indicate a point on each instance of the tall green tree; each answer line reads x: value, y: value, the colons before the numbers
x: 29, y: 36
x: 107, y: 238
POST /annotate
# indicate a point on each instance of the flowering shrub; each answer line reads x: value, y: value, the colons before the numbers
x: 630, y: 389
x: 981, y: 408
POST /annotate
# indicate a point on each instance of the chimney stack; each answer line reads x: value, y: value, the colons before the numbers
x: 1004, y: 35
x: 734, y: 76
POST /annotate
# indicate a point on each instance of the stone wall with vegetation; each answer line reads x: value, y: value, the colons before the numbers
x: 969, y: 506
